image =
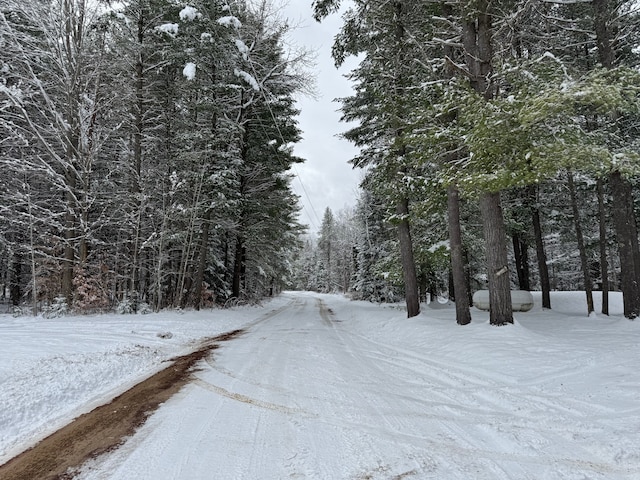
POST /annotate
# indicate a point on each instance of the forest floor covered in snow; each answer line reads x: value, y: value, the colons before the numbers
x: 321, y: 387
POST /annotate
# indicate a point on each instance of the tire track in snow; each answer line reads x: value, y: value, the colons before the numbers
x: 480, y: 389
x: 357, y: 367
x: 498, y: 402
x: 249, y: 400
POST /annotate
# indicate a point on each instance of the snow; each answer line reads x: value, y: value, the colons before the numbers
x: 170, y: 29
x: 247, y: 77
x: 322, y: 387
x: 230, y: 21
x: 189, y: 13
x: 442, y: 244
x: 189, y: 71
x: 242, y: 48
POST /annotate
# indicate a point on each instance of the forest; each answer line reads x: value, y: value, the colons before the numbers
x: 489, y: 130
x: 145, y: 153
x: 146, y: 149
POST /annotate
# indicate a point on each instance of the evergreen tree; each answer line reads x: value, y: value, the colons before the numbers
x: 326, y: 245
x: 133, y: 183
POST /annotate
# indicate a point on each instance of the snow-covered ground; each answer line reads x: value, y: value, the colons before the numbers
x: 323, y: 388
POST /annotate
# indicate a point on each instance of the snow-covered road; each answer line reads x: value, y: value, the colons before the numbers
x: 324, y: 388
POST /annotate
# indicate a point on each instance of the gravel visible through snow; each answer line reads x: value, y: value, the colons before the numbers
x: 106, y: 427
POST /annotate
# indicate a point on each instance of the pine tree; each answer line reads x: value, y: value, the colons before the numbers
x: 326, y: 245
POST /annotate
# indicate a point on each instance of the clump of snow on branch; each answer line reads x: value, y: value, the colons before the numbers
x: 230, y: 21
x: 247, y: 77
x: 206, y: 37
x: 189, y: 13
x: 168, y: 28
x: 242, y: 48
x: 189, y: 70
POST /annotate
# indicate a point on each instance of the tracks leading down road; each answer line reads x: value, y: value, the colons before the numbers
x: 304, y: 393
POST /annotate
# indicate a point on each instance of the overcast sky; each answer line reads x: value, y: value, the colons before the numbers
x: 325, y: 179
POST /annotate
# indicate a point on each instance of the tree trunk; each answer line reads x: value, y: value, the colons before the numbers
x: 543, y: 270
x: 500, y: 309
x: 408, y: 263
x: 202, y: 263
x: 463, y: 313
x: 32, y: 249
x: 238, y: 267
x: 586, y: 274
x: 477, y: 31
x: 159, y: 273
x: 424, y: 286
x: 15, y: 285
x: 601, y: 10
x: 476, y: 35
x: 69, y: 257
x: 521, y: 255
x: 625, y: 225
x: 604, y: 263
x: 623, y: 213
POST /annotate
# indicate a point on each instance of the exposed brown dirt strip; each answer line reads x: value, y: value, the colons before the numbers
x: 106, y: 427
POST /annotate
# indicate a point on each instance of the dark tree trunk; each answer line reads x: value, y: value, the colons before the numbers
x: 623, y: 213
x: 202, y: 263
x: 463, y: 314
x: 238, y: 267
x: 69, y: 257
x: 467, y: 276
x: 626, y: 230
x: 584, y: 263
x: 500, y: 309
x: 227, y: 259
x: 15, y: 285
x: 521, y: 254
x: 477, y: 30
x: 424, y: 285
x: 408, y: 264
x: 601, y: 10
x: 543, y: 270
x: 604, y: 263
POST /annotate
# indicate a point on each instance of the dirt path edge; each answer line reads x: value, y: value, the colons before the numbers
x: 108, y: 426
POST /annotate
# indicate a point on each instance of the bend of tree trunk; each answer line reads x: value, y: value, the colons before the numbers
x: 500, y: 309
x: 463, y: 314
x: 408, y: 263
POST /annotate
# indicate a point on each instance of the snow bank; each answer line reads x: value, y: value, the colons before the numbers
x: 52, y: 370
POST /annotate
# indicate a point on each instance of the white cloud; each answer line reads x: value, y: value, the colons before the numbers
x: 328, y: 178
